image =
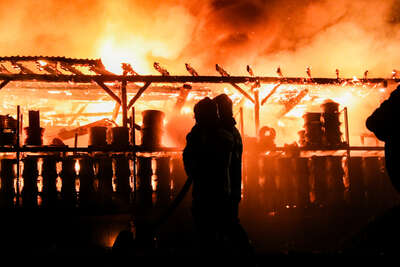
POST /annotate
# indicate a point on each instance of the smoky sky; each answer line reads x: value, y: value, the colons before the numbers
x: 264, y: 33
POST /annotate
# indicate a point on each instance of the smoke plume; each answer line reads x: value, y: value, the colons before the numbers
x: 349, y: 35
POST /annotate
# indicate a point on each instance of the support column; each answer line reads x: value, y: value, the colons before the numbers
x: 256, y: 110
x: 124, y: 104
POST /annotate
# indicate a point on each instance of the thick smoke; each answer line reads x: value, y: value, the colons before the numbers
x: 350, y: 35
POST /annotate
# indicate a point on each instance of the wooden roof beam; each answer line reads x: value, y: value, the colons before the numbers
x: 109, y: 91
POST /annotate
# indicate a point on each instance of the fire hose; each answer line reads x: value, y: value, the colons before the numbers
x: 170, y: 210
x: 154, y: 227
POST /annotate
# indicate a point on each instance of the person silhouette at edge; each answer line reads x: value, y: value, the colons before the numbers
x: 237, y: 235
x: 382, y: 122
x: 206, y: 160
x: 381, y: 234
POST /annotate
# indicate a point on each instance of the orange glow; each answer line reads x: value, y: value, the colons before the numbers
x: 77, y: 167
x: 77, y: 184
x: 154, y: 182
x: 113, y: 53
x: 40, y: 183
x: 58, y: 184
x: 41, y: 63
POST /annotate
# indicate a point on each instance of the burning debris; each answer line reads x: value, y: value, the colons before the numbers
x: 192, y: 71
x: 279, y: 72
x: 128, y: 69
x: 161, y: 70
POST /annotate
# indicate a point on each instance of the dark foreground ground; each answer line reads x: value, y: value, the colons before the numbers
x: 311, y: 236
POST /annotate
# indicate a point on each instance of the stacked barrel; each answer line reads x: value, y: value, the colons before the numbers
x: 320, y: 182
x: 313, y: 129
x: 322, y: 129
x: 331, y: 123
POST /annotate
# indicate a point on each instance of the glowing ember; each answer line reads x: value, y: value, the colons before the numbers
x: 77, y: 167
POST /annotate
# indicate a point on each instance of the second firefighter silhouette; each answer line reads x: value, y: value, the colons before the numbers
x: 206, y: 159
x: 212, y: 158
x: 234, y: 232
x: 228, y: 131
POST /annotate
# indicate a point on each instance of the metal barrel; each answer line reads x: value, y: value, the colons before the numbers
x: 356, y: 181
x: 251, y: 179
x: 122, y: 174
x: 313, y: 129
x: 335, y: 177
x: 302, y: 173
x: 49, y: 174
x: 104, y: 178
x: 270, y: 189
x: 30, y: 175
x: 86, y: 183
x: 7, y: 189
x: 318, y: 181
x: 178, y: 174
x: 331, y: 123
x: 34, y: 136
x: 98, y: 136
x: 286, y: 184
x: 390, y: 195
x: 163, y: 174
x: 144, y: 189
x: 373, y: 182
x: 152, y: 129
x: 120, y: 137
x: 68, y: 176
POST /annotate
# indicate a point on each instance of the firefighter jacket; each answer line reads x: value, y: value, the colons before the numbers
x: 206, y: 159
x: 236, y: 166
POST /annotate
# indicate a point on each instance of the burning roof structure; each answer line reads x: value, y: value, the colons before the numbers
x: 97, y: 93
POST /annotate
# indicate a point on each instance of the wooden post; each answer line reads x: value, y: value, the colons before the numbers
x: 241, y: 122
x: 256, y: 111
x: 124, y: 104
x: 138, y: 94
x: 346, y: 124
x: 108, y: 91
x: 19, y: 127
x: 133, y: 142
x: 4, y: 83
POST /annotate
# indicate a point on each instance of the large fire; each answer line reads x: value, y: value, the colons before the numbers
x: 338, y: 39
x: 113, y: 53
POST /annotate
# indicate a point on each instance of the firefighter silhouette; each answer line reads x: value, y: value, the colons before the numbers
x: 383, y: 123
x: 205, y: 158
x: 236, y: 235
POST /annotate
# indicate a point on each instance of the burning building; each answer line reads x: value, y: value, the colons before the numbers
x: 306, y: 145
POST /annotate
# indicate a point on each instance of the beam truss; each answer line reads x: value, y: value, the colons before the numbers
x: 99, y: 75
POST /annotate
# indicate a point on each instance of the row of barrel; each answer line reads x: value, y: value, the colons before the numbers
x: 270, y: 182
x: 274, y: 183
x: 101, y: 182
